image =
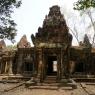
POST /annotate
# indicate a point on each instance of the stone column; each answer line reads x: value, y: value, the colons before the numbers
x: 62, y: 64
x: 58, y: 67
x: 67, y: 73
x: 39, y: 76
x: 6, y: 67
x: 2, y: 70
x: 0, y: 65
x: 10, y: 72
x: 19, y: 63
x: 44, y: 66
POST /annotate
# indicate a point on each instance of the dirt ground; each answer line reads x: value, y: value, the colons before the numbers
x: 21, y: 90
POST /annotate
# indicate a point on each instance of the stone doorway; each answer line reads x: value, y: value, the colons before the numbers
x: 28, y: 68
x: 80, y: 67
x: 51, y: 66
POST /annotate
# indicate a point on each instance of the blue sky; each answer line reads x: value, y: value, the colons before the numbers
x: 32, y: 13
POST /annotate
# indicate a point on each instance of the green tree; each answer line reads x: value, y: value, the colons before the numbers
x: 7, y: 24
x: 86, y: 6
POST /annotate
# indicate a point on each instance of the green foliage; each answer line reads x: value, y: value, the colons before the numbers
x: 84, y: 4
x: 87, y: 7
x: 12, y: 47
x: 7, y: 25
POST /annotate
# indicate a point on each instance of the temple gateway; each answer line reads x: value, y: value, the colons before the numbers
x: 52, y: 46
x: 53, y: 57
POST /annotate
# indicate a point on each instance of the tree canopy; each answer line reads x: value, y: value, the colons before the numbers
x: 86, y: 7
x: 7, y: 24
x: 84, y: 4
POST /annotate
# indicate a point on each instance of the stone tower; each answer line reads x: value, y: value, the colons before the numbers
x: 52, y: 44
x: 54, y: 31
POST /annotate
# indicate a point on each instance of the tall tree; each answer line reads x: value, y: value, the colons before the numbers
x: 86, y: 6
x: 7, y: 25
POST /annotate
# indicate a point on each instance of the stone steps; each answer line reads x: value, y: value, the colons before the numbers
x: 44, y: 87
x: 91, y: 80
x: 50, y: 79
x: 15, y: 78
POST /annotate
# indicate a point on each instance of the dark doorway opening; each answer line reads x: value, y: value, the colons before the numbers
x: 80, y: 67
x: 28, y: 67
x: 52, y: 65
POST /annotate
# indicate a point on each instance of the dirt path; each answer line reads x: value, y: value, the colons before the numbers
x: 21, y: 90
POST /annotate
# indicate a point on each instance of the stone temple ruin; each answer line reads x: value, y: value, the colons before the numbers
x: 53, y: 58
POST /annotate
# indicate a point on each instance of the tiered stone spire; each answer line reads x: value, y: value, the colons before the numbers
x: 54, y: 29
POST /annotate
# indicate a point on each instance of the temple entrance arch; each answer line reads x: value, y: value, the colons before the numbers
x: 51, y: 65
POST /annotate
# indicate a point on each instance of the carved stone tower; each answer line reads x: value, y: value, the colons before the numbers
x: 52, y: 43
x: 54, y: 30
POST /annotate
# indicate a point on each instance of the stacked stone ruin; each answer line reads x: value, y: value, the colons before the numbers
x: 52, y: 43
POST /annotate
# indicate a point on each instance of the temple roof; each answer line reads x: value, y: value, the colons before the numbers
x: 2, y: 44
x: 23, y: 43
x: 54, y: 18
x: 54, y: 29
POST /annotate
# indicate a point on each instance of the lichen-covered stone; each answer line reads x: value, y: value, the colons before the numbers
x: 23, y: 43
x: 53, y: 31
x: 2, y: 44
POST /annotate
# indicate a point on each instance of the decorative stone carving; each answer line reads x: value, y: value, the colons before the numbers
x: 86, y: 41
x: 2, y: 44
x: 54, y: 30
x: 3, y: 51
x: 23, y: 43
